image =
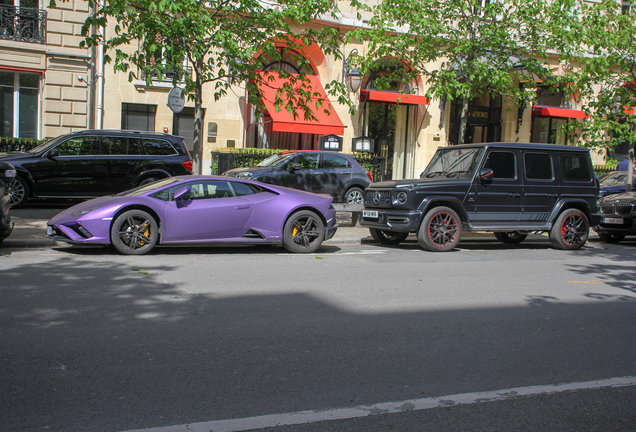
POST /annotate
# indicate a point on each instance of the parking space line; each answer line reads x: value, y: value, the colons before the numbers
x: 306, y: 417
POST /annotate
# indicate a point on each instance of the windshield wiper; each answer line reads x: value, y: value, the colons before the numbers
x: 457, y: 173
x: 435, y: 173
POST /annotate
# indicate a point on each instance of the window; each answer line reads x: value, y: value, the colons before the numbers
x: 334, y: 161
x: 548, y: 130
x: 138, y: 117
x: 19, y: 100
x: 242, y: 189
x: 576, y: 168
x: 119, y: 146
x: 156, y: 147
x: 206, y: 190
x: 502, y: 163
x: 306, y: 161
x: 78, y: 146
x: 538, y: 166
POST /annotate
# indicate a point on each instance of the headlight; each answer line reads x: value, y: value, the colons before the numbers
x: 10, y: 173
x: 83, y: 212
x: 244, y: 175
x: 401, y: 197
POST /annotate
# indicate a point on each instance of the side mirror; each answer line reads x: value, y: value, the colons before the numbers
x: 486, y: 174
x: 181, y: 193
x: 53, y: 153
x: 295, y: 167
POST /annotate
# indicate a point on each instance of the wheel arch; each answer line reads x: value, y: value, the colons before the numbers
x: 157, y: 174
x: 142, y: 207
x: 448, y: 201
x: 562, y: 206
x: 311, y: 209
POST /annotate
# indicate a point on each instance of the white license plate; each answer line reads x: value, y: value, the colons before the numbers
x: 613, y: 221
x: 370, y: 214
x: 49, y: 230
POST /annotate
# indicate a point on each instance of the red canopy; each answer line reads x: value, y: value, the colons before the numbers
x: 557, y: 112
x: 393, y: 97
x: 284, y: 121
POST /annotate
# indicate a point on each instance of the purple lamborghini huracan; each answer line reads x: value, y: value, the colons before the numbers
x: 196, y: 210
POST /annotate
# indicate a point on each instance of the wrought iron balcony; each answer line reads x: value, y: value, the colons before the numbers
x: 22, y: 24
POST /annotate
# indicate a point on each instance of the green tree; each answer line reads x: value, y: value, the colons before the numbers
x: 219, y: 39
x: 609, y: 72
x: 464, y: 47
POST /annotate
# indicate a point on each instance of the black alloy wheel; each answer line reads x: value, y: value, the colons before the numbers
x: 134, y: 232
x: 440, y: 230
x: 512, y: 237
x: 388, y: 237
x: 570, y: 231
x: 304, y: 232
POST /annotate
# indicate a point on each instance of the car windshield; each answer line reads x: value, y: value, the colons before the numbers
x: 140, y: 190
x: 275, y: 160
x: 453, y: 163
x: 614, y: 179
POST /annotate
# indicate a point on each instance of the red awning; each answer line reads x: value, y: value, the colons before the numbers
x: 557, y: 112
x: 630, y: 110
x: 284, y: 121
x: 391, y: 96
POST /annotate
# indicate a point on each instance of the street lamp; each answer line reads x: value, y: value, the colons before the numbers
x: 351, y: 76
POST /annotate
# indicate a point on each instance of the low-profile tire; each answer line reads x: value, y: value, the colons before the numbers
x: 18, y: 191
x: 134, y: 232
x: 354, y: 195
x: 440, y: 230
x: 570, y: 230
x: 611, y: 238
x: 388, y: 237
x: 512, y: 237
x: 304, y: 232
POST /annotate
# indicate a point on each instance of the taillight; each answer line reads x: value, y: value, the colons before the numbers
x: 370, y: 176
x: 187, y: 165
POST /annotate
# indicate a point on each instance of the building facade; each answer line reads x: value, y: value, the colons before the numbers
x: 50, y: 86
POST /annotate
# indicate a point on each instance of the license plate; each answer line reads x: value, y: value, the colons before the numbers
x: 613, y: 221
x: 372, y: 214
x: 49, y: 230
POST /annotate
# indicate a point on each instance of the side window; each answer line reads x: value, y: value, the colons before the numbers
x: 157, y: 147
x: 538, y: 166
x: 77, y: 146
x: 242, y: 189
x: 576, y: 168
x: 502, y: 163
x: 206, y: 190
x: 334, y: 161
x: 113, y: 146
x: 307, y: 161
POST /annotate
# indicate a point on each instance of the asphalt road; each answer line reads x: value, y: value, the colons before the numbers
x: 353, y: 338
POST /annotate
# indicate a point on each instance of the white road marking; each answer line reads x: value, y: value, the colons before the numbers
x: 306, y: 417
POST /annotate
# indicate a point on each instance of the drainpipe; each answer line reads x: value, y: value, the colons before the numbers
x: 100, y: 74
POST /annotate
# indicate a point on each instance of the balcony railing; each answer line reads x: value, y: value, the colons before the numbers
x: 22, y: 24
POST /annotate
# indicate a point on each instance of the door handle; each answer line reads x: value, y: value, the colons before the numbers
x: 132, y: 163
x: 85, y: 163
x: 245, y: 207
x: 514, y: 195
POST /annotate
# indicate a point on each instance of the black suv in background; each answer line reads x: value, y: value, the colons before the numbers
x: 325, y: 172
x: 509, y: 189
x: 92, y: 163
x: 7, y: 174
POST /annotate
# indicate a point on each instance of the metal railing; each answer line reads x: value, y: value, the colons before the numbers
x: 22, y: 24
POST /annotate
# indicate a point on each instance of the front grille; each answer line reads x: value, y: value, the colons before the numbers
x: 377, y: 197
x: 621, y: 209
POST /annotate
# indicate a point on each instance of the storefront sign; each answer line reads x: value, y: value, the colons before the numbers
x: 175, y: 100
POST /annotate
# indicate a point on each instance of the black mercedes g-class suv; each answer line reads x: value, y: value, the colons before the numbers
x: 510, y: 189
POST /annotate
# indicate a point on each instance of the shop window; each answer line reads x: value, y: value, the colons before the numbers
x: 19, y: 100
x: 138, y: 117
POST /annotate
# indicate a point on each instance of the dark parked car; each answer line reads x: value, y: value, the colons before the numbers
x: 614, y: 182
x: 7, y: 174
x: 505, y: 188
x: 618, y: 217
x: 92, y: 163
x: 196, y: 210
x: 336, y: 174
